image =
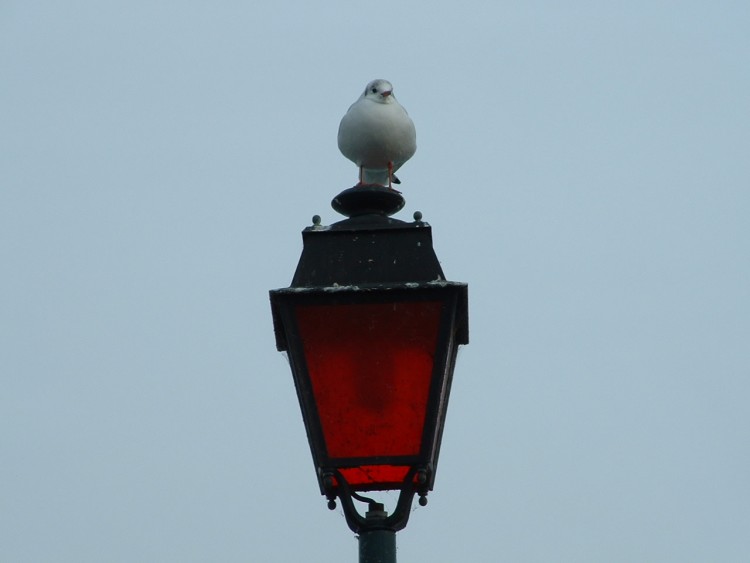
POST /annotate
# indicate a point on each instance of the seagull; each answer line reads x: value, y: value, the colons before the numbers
x: 377, y: 135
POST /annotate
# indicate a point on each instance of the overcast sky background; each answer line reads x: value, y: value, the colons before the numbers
x: 585, y: 167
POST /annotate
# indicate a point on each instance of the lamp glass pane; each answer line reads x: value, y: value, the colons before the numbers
x: 377, y: 477
x: 370, y: 368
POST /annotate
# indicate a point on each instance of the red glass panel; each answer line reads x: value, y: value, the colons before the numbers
x: 365, y: 475
x: 370, y: 367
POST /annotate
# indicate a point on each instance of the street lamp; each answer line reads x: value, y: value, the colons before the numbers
x: 371, y: 328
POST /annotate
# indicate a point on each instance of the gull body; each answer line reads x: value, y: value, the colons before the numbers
x: 377, y: 134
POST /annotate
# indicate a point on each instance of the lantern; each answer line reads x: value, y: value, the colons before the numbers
x: 371, y: 328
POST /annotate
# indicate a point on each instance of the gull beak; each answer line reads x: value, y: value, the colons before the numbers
x: 386, y: 93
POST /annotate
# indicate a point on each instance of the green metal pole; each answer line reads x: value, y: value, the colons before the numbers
x: 377, y: 545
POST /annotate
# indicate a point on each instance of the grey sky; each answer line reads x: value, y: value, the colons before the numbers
x: 585, y: 169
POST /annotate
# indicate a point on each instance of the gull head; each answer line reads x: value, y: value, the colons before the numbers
x: 380, y: 91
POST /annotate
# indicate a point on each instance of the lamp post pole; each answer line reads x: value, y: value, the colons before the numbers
x: 372, y: 328
x: 377, y: 545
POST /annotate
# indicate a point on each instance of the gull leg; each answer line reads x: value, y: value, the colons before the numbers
x: 361, y: 175
x: 390, y: 175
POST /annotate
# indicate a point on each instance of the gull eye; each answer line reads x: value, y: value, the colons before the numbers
x: 374, y: 90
